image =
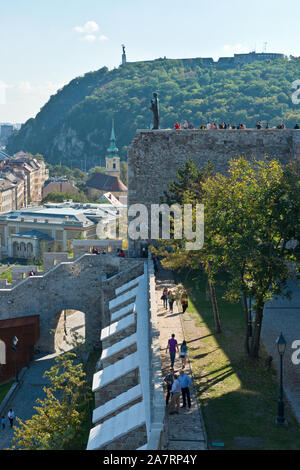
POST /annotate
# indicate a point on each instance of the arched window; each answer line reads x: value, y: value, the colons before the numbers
x: 2, y: 352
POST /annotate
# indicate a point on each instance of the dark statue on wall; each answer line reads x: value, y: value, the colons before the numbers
x: 155, y: 109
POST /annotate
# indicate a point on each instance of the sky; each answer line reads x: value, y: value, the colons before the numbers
x: 45, y: 44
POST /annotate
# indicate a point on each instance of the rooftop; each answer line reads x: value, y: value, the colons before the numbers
x: 32, y: 234
x: 64, y: 213
x: 106, y: 183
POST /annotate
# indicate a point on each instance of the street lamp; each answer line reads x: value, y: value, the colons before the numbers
x: 281, y: 345
x: 14, y: 347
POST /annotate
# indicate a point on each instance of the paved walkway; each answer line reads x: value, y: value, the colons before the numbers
x: 32, y: 386
x: 185, y: 431
x: 283, y: 315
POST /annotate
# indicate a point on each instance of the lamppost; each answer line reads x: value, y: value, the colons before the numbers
x: 14, y: 347
x: 281, y: 345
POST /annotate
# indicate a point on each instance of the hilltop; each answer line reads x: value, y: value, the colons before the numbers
x: 75, y: 123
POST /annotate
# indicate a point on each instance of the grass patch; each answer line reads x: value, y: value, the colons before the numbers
x: 4, y: 390
x: 238, y: 395
x: 7, y: 275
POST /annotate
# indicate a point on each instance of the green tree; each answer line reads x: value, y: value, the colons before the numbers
x: 123, y: 175
x: 188, y: 189
x: 97, y: 169
x: 61, y: 197
x: 250, y: 216
x: 59, y: 414
x: 188, y: 90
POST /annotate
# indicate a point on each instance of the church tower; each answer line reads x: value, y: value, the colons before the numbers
x: 113, y: 159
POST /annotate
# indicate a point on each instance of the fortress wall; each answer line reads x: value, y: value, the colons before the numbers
x: 155, y: 156
x: 73, y: 285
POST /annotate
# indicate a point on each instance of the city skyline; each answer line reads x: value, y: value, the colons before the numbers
x: 51, y: 43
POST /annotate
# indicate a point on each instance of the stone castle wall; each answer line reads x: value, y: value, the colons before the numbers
x: 73, y: 285
x: 155, y: 156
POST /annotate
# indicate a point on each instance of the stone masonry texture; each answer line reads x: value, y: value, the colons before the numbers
x: 154, y: 157
x: 73, y: 285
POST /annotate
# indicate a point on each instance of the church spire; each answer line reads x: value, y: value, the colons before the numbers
x: 113, y: 149
x: 112, y: 158
x: 113, y: 137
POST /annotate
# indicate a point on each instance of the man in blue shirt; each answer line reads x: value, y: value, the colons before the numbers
x: 185, y: 382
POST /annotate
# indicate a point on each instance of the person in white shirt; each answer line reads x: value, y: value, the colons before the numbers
x: 11, y: 415
x: 175, y: 392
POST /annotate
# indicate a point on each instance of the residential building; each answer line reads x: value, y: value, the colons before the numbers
x: 7, y: 195
x: 59, y: 185
x: 32, y: 170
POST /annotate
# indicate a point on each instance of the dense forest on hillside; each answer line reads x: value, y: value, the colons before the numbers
x: 76, y: 122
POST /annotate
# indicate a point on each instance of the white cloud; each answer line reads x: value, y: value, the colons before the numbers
x: 88, y: 32
x: 88, y: 28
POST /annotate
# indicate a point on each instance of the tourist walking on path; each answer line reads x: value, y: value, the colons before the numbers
x: 185, y: 382
x: 184, y: 302
x: 169, y: 379
x: 172, y: 346
x: 11, y: 415
x: 155, y: 263
x: 183, y: 353
x: 3, y: 422
x: 175, y: 400
x: 171, y: 300
x: 165, y: 297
